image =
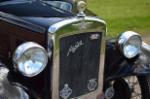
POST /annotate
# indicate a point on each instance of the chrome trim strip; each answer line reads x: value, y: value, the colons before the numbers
x: 145, y: 46
x: 73, y: 26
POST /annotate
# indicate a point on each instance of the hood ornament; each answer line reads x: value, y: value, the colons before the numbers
x: 81, y: 6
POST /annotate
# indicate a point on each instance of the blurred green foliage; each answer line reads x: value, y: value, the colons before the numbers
x: 123, y: 15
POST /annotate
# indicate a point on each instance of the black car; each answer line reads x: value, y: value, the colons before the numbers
x: 58, y: 50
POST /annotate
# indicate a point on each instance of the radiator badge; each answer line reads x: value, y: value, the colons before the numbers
x: 73, y: 48
x: 92, y: 84
x: 94, y: 36
x: 66, y: 92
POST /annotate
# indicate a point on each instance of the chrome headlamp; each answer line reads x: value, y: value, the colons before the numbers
x: 30, y: 59
x: 130, y: 44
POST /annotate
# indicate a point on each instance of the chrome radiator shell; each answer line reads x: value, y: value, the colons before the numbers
x: 72, y: 26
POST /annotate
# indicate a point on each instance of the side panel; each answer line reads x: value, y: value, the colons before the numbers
x: 12, y: 35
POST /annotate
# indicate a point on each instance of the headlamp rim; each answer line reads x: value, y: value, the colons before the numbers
x: 21, y: 49
x: 124, y: 38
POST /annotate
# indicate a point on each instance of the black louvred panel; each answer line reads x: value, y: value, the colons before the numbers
x: 79, y: 63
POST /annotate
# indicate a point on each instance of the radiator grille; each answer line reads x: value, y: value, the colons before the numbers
x: 79, y: 63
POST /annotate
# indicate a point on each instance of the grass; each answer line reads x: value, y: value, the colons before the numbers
x: 123, y: 15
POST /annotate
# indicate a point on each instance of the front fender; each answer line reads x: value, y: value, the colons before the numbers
x: 9, y: 90
x: 142, y: 63
x: 116, y: 65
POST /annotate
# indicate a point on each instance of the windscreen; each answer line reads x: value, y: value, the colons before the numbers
x: 37, y: 8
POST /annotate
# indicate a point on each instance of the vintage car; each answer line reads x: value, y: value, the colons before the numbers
x: 57, y: 49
